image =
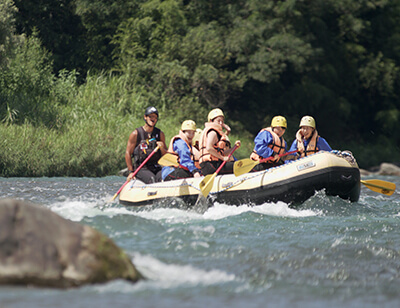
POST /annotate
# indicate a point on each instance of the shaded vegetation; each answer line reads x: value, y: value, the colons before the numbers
x: 76, y: 75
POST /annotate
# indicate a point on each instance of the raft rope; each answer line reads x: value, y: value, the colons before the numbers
x: 347, y: 155
x: 344, y: 154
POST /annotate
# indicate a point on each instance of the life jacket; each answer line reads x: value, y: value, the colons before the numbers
x: 196, y: 155
x: 219, y: 146
x: 146, y: 143
x: 312, y: 145
x: 277, y: 145
x: 182, y: 136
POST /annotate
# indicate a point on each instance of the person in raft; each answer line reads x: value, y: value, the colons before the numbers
x: 212, y: 144
x: 141, y: 143
x: 196, y: 147
x: 269, y: 142
x: 181, y: 146
x: 196, y: 138
x: 307, y: 139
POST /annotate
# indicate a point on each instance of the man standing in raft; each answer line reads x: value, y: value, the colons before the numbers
x: 181, y: 146
x: 269, y: 142
x: 141, y: 143
x: 212, y: 144
x: 307, y: 139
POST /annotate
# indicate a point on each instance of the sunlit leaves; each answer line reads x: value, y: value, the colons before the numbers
x: 379, y: 75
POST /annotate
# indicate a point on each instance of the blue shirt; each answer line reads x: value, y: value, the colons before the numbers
x: 180, y: 147
x: 322, y: 145
x: 262, y: 141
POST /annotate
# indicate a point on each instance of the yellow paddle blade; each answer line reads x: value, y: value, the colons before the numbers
x: 379, y: 186
x: 207, y: 183
x: 168, y: 160
x: 113, y: 198
x: 244, y: 166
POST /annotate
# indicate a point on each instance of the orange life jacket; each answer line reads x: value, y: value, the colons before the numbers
x: 219, y: 146
x: 277, y: 145
x: 182, y: 136
x: 312, y: 145
x: 196, y: 155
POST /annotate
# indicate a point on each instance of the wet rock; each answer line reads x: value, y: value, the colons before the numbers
x: 364, y: 172
x: 389, y: 169
x: 124, y: 172
x: 38, y: 247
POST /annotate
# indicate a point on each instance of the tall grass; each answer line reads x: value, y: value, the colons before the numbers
x: 94, y: 123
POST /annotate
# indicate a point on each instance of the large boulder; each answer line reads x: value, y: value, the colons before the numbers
x: 38, y: 247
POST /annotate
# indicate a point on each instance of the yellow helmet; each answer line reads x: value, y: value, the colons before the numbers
x: 215, y: 113
x: 196, y: 136
x: 188, y: 125
x: 279, y: 121
x: 307, y: 121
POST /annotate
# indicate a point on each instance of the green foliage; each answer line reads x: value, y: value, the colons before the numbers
x: 59, y: 28
x: 28, y: 87
x: 337, y: 60
x: 7, y: 27
x: 100, y: 20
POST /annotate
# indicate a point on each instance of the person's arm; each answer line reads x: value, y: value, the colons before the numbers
x: 323, y: 145
x: 130, y: 147
x: 262, y: 140
x: 212, y: 138
x: 227, y: 129
x: 290, y: 157
x: 161, y: 144
x: 181, y: 148
x: 228, y: 151
x: 293, y: 147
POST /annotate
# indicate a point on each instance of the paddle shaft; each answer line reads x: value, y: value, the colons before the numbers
x: 145, y: 161
x: 224, y: 162
x: 119, y: 190
x: 272, y: 157
x: 374, y: 185
x: 207, y: 183
x: 136, y: 171
x: 247, y: 164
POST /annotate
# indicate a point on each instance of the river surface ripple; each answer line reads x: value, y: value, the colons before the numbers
x: 325, y: 253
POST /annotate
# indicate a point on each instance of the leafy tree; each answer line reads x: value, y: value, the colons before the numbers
x: 59, y: 29
x: 7, y: 29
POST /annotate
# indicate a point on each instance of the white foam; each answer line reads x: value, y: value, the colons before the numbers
x: 170, y: 215
x: 76, y: 210
x: 160, y: 275
x: 220, y: 211
x: 172, y: 275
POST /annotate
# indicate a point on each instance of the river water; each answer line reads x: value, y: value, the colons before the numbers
x: 325, y: 253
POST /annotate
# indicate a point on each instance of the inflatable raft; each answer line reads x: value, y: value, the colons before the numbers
x: 335, y: 172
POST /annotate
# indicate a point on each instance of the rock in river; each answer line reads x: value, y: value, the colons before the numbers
x: 40, y: 248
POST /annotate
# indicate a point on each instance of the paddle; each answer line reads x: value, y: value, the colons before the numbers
x: 207, y: 183
x: 168, y: 159
x: 134, y: 173
x: 380, y: 186
x: 245, y: 165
